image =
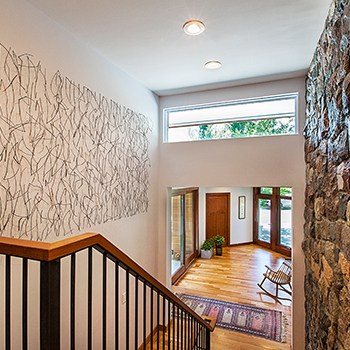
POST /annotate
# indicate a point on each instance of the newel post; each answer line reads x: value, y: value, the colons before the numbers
x: 50, y: 305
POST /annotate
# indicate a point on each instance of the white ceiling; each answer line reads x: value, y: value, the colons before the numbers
x: 252, y: 38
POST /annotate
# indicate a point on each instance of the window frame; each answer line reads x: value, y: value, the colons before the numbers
x: 167, y: 110
x: 275, y: 238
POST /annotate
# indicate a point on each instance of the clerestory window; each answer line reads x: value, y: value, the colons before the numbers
x: 265, y: 116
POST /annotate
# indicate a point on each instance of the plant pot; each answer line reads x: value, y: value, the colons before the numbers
x: 207, y: 254
x: 218, y: 249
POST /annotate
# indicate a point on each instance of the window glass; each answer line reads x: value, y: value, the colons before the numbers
x: 286, y: 222
x: 274, y: 115
x: 266, y: 190
x: 286, y: 191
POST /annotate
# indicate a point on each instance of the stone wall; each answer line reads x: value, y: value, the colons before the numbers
x: 327, y: 196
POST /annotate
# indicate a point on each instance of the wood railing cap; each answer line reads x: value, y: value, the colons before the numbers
x: 44, y: 251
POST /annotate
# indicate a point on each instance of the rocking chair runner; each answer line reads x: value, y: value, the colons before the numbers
x: 280, y: 277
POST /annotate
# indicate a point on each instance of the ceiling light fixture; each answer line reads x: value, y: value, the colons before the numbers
x: 213, y: 65
x: 193, y: 27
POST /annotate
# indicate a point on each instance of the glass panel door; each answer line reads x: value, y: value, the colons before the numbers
x: 285, y: 223
x: 184, y: 230
x: 176, y: 233
x: 189, y: 239
x: 264, y: 220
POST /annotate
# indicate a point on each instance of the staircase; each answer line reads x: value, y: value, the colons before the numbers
x: 84, y: 293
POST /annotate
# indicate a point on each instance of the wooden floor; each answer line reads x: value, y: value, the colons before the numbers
x: 234, y: 277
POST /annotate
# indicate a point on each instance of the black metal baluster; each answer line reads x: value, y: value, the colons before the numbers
x: 189, y: 331
x: 200, y: 335
x: 104, y: 302
x: 144, y: 314
x: 178, y: 327
x: 50, y: 280
x: 8, y: 303
x: 185, y: 331
x: 157, y: 319
x: 169, y: 310
x: 192, y: 333
x: 116, y: 325
x: 207, y: 339
x: 136, y: 311
x: 182, y: 324
x: 25, y: 304
x: 90, y: 298
x: 151, y: 328
x: 72, y: 301
x: 173, y: 326
x: 163, y: 322
x: 127, y: 309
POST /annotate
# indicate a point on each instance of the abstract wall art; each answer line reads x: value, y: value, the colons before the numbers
x: 69, y: 157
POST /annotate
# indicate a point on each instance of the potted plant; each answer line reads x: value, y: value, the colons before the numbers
x: 219, y: 241
x: 207, y: 249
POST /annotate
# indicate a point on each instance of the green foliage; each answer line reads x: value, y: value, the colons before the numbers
x: 286, y: 191
x: 244, y: 128
x: 219, y: 240
x: 208, y: 244
x: 266, y: 190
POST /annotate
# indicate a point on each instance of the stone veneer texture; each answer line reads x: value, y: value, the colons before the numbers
x: 326, y: 243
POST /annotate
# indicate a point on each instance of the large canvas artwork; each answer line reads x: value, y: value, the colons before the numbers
x: 69, y: 157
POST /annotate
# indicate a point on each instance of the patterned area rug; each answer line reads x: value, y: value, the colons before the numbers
x: 264, y: 323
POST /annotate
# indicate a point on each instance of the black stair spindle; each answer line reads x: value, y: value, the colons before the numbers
x: 207, y: 339
x: 169, y: 313
x: 104, y: 302
x: 188, y: 331
x: 144, y: 314
x: 127, y: 309
x: 185, y: 331
x: 173, y: 326
x: 182, y: 324
x: 157, y: 320
x: 163, y: 318
x: 72, y: 301
x: 24, y: 304
x: 8, y: 303
x: 50, y: 280
x: 136, y: 311
x: 116, y: 325
x: 89, y: 298
x: 151, y: 317
x: 178, y: 327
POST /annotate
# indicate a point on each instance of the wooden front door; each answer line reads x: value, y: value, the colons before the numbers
x: 218, y: 216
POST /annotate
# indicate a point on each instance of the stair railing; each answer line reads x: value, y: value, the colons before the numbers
x: 129, y: 309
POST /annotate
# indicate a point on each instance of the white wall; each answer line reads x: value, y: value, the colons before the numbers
x: 27, y: 30
x: 241, y: 230
x: 263, y: 161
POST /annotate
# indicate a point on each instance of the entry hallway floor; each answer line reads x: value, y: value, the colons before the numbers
x: 233, y: 277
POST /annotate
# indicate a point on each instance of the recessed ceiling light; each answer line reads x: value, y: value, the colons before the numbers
x: 213, y: 65
x: 193, y: 27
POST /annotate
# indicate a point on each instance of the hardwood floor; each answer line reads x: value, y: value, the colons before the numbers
x: 234, y: 277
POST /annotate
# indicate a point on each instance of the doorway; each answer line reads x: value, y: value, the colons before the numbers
x: 273, y: 218
x: 218, y: 216
x: 184, y: 230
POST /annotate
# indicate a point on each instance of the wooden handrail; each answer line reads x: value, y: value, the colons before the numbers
x: 44, y: 251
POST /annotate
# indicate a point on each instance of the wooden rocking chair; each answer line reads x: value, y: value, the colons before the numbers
x: 280, y: 277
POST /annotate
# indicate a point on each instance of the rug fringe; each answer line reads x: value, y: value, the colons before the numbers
x: 284, y: 328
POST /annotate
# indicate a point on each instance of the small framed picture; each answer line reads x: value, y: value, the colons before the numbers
x: 241, y: 207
